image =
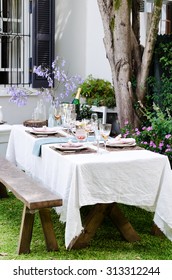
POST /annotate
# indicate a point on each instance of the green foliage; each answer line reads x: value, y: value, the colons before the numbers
x: 85, y: 111
x: 160, y: 85
x: 156, y: 132
x: 98, y: 92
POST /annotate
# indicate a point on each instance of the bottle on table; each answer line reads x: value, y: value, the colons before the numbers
x: 76, y: 101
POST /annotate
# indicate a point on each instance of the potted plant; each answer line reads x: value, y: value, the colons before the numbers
x: 98, y: 92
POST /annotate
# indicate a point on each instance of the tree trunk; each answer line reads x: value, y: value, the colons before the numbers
x: 123, y: 50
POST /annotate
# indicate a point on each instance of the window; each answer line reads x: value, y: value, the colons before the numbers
x: 26, y: 39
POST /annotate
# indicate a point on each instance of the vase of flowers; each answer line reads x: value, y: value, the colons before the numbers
x: 60, y: 84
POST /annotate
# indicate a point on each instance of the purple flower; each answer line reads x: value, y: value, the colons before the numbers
x: 167, y: 136
x: 18, y: 96
x: 67, y: 84
x: 161, y: 144
x: 152, y: 144
x: 149, y: 128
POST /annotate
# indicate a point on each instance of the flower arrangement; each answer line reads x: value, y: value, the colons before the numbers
x: 60, y: 84
x: 156, y: 135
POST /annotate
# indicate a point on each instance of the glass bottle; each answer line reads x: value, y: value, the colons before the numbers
x: 51, y: 121
x: 76, y: 101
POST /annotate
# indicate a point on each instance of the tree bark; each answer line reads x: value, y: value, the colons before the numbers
x: 124, y: 53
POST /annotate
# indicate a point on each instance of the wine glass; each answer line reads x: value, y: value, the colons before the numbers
x: 105, y: 130
x: 81, y: 134
x: 97, y: 137
x: 57, y: 115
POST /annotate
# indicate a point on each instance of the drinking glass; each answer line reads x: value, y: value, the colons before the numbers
x: 105, y: 130
x: 81, y: 134
x: 94, y: 121
x: 97, y: 137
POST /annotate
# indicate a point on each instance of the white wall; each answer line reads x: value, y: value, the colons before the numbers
x: 79, y: 38
x: 96, y: 61
x: 17, y: 115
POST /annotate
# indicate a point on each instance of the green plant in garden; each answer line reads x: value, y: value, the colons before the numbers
x: 160, y: 85
x: 98, y: 92
x: 155, y: 133
x: 85, y: 111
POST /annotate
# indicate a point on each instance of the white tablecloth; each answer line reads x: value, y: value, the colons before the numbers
x: 139, y: 177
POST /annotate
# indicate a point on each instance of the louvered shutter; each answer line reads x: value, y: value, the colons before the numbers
x: 43, y: 14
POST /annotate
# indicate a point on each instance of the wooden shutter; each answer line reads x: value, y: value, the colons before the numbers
x: 43, y: 14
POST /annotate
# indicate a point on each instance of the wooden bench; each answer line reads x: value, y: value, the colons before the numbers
x: 35, y: 197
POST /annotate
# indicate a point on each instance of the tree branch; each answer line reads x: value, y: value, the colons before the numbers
x: 148, y: 51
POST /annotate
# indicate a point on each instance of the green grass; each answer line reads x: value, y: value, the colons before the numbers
x: 106, y: 245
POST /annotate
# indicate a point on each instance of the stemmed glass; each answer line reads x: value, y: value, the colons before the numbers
x: 97, y: 137
x: 94, y: 121
x: 105, y: 130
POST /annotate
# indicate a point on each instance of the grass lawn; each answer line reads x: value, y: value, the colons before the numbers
x: 106, y: 245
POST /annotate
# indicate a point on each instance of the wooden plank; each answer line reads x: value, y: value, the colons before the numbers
x: 123, y: 225
x: 33, y: 194
x: 47, y: 226
x: 26, y: 231
x: 92, y: 222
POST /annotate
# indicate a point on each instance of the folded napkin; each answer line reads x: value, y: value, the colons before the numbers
x: 121, y: 141
x: 70, y: 144
x: 38, y: 143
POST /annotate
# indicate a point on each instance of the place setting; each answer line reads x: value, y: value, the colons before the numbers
x: 45, y: 131
x: 77, y: 144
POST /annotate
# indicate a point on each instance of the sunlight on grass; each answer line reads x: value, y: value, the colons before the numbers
x: 106, y: 245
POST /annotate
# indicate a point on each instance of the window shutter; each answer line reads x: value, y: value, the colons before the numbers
x: 43, y: 15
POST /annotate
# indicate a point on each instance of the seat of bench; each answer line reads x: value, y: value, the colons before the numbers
x: 35, y: 196
x: 22, y: 184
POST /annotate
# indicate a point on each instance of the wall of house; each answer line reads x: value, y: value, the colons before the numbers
x: 79, y: 38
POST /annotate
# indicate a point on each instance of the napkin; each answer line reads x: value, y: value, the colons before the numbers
x: 70, y: 144
x: 121, y: 141
x: 38, y: 143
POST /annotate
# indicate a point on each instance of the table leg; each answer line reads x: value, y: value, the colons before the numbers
x: 92, y: 222
x: 156, y: 231
x: 123, y: 225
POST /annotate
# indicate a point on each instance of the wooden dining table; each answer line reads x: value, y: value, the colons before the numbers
x: 130, y: 176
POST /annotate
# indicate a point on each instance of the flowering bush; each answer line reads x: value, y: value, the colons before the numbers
x: 156, y: 135
x: 60, y: 84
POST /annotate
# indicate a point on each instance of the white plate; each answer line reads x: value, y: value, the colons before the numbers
x: 69, y: 148
x: 120, y: 145
x: 43, y: 131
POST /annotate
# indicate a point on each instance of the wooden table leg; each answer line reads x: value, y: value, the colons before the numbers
x: 123, y: 225
x: 26, y: 231
x: 3, y: 191
x: 156, y: 231
x: 92, y: 222
x: 47, y: 226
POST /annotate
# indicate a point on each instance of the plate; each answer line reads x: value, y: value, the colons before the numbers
x: 69, y: 148
x: 43, y: 131
x: 115, y: 145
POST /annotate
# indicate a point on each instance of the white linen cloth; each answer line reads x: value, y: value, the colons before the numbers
x: 139, y: 177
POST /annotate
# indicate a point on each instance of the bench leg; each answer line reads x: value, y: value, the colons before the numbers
x: 26, y: 231
x: 47, y: 226
x: 3, y: 191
